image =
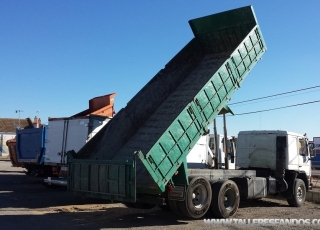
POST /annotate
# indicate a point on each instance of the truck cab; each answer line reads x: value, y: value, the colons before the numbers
x: 281, y: 152
x: 203, y: 153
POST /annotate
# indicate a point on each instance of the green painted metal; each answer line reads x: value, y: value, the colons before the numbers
x: 112, y: 180
x: 168, y: 153
x: 162, y: 123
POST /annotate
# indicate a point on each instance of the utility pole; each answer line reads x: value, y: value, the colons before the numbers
x: 19, y: 111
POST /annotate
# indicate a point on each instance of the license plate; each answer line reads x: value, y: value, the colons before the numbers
x: 177, y: 193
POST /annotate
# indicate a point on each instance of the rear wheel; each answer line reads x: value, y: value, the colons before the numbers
x: 299, y: 196
x: 225, y: 199
x: 198, y: 198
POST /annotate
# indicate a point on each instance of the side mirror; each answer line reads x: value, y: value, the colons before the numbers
x: 312, y: 153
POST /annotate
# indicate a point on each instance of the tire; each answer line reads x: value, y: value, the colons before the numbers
x: 198, y: 198
x: 299, y: 196
x: 225, y: 199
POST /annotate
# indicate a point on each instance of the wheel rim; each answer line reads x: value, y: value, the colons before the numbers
x: 229, y: 199
x: 199, y: 196
x: 300, y: 193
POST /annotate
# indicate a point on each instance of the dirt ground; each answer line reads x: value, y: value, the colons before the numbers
x: 28, y: 204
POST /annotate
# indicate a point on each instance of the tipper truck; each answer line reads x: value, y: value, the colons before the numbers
x: 139, y: 157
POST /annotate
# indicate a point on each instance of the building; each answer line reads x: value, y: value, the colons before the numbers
x: 8, y: 131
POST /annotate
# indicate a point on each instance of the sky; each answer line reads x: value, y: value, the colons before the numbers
x: 57, y: 55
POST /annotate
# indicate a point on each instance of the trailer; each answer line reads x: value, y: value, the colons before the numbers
x: 69, y: 133
x: 139, y: 157
x: 42, y: 151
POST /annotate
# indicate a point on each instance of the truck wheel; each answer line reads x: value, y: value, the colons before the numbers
x: 225, y: 199
x: 198, y: 198
x: 299, y: 196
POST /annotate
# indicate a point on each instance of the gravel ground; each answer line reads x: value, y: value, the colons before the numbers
x: 28, y: 204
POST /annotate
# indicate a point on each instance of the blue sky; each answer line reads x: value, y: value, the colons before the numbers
x: 56, y: 55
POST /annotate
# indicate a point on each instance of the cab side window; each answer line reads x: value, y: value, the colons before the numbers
x: 302, y: 147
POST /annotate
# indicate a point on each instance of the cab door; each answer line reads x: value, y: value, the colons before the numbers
x: 303, y: 156
x: 292, y: 153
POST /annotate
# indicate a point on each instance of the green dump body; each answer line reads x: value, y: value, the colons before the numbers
x: 140, y: 150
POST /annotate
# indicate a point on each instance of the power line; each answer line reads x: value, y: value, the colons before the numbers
x: 283, y: 107
x: 274, y: 95
x: 271, y: 99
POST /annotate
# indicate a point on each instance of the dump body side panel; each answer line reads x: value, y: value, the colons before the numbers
x: 112, y: 180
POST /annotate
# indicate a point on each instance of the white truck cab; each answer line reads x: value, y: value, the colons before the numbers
x: 202, y: 154
x: 281, y: 151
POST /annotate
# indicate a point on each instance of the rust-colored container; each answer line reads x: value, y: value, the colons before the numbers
x: 13, y: 153
x: 103, y: 106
